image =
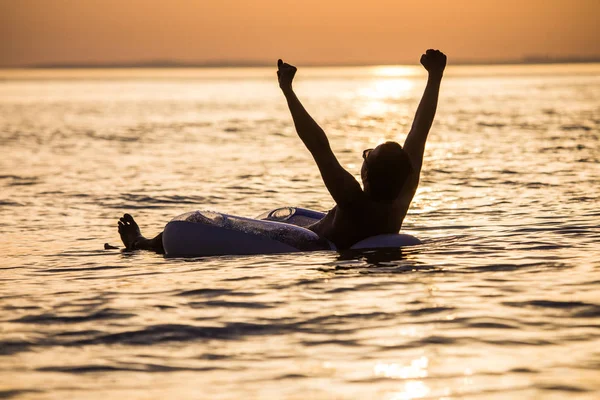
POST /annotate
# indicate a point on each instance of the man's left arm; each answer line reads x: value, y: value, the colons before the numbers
x: 341, y: 184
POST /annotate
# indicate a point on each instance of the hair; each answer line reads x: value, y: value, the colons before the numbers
x: 387, y: 171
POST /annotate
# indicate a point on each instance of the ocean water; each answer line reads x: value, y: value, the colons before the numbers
x: 501, y: 301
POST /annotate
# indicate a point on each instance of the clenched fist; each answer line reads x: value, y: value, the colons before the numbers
x: 434, y: 61
x: 285, y: 74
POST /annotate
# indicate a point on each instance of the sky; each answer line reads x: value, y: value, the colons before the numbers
x: 303, y: 31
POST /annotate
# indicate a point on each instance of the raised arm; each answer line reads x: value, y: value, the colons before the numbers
x: 434, y: 62
x: 341, y: 184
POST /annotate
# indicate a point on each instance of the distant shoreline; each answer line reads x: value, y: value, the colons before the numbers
x: 260, y: 64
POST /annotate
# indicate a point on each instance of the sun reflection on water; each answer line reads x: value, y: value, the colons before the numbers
x: 416, y: 369
x: 412, y: 390
x: 388, y: 88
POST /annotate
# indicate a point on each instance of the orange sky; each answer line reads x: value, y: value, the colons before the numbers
x: 303, y: 31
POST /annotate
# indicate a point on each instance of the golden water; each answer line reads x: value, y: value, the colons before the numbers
x: 501, y: 301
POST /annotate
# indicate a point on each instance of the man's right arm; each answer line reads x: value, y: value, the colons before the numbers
x: 434, y: 62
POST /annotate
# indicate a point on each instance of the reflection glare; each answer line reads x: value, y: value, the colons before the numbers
x: 416, y: 369
x: 388, y: 89
x: 412, y: 390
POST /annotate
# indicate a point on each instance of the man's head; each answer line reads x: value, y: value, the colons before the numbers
x: 384, y: 171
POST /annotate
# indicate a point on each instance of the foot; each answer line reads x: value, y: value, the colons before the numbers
x: 129, y: 231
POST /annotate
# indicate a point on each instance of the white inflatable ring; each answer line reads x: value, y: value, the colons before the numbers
x: 207, y: 233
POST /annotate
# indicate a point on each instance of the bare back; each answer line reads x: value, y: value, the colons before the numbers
x: 345, y: 226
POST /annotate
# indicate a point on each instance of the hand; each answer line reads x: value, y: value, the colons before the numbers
x: 434, y: 61
x: 285, y: 74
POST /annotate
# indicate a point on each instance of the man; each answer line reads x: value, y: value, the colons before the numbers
x: 390, y: 172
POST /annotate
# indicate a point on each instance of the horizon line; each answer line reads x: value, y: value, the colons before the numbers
x: 256, y: 64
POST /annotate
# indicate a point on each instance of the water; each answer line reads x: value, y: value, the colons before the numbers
x: 501, y: 301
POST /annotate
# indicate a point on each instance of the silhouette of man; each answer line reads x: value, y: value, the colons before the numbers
x: 390, y: 172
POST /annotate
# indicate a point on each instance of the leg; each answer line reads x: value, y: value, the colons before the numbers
x: 132, y: 237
